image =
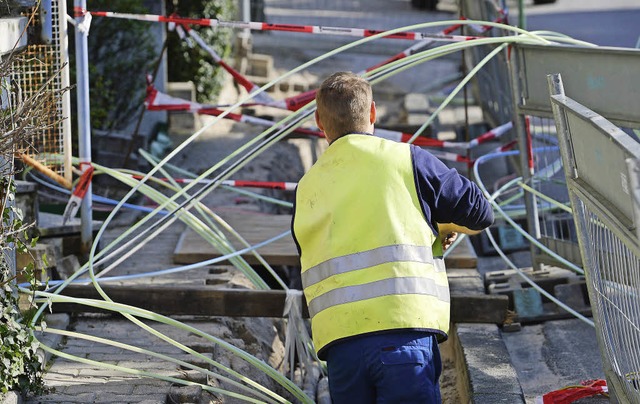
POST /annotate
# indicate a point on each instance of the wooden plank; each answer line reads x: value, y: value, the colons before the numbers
x: 207, y: 301
x: 463, y: 256
x: 257, y: 227
x: 185, y: 300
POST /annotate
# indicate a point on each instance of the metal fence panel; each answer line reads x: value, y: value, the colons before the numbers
x: 599, y: 75
x: 606, y: 77
x: 594, y: 153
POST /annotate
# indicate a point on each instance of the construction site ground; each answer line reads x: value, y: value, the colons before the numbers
x: 496, y: 366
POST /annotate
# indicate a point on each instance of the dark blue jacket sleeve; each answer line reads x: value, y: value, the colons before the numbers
x: 447, y: 196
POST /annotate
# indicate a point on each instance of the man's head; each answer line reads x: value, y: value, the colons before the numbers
x: 345, y: 105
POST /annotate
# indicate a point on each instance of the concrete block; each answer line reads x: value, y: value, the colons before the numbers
x: 185, y: 394
x: 284, y: 86
x: 11, y: 29
x: 487, y: 361
x: 155, y: 364
x: 260, y: 65
x: 148, y: 383
x: 158, y: 398
x: 105, y: 388
x: 572, y: 294
x: 11, y: 398
x: 63, y: 398
x: 27, y: 201
x: 196, y: 376
x: 260, y: 81
x: 103, y: 374
x: 463, y: 281
x: 497, y: 398
x: 417, y: 119
x: 67, y: 266
x: 58, y: 321
x: 65, y: 369
x: 527, y: 302
x: 187, y: 91
x: 447, y: 135
x: 300, y: 87
x: 416, y: 102
x: 43, y: 256
x: 448, y: 117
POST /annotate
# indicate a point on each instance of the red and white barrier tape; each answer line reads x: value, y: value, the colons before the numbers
x: 78, y: 193
x: 415, y: 48
x: 157, y: 101
x: 286, y: 186
x: 237, y: 77
x: 263, y: 26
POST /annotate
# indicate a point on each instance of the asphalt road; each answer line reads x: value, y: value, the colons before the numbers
x: 620, y: 28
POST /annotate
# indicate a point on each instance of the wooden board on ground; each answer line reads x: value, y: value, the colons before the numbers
x: 208, y: 301
x: 463, y: 256
x: 257, y: 227
x: 254, y: 227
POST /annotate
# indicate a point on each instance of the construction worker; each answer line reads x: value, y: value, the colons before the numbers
x: 366, y: 217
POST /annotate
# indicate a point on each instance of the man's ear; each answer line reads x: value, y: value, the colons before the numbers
x: 318, y: 122
x: 372, y: 113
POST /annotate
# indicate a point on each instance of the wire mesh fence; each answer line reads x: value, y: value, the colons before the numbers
x: 614, y: 273
x: 556, y: 227
x: 492, y: 88
x: 44, y: 59
x: 594, y: 153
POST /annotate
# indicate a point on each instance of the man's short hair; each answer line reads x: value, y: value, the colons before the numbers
x: 344, y: 103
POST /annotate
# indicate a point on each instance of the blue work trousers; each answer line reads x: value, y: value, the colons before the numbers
x: 399, y: 367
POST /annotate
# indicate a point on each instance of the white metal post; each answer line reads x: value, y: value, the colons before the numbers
x: 63, y: 45
x: 84, y: 122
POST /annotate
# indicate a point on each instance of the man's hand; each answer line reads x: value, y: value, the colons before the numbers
x: 448, y: 239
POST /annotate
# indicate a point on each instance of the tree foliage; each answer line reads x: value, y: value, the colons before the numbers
x: 192, y: 63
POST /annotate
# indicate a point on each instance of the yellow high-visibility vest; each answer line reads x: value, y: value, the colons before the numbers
x: 366, y: 248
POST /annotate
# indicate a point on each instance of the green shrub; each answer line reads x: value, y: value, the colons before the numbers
x: 20, y: 366
x: 195, y: 64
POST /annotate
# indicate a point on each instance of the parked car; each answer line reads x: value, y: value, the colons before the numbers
x: 431, y: 5
x: 425, y: 4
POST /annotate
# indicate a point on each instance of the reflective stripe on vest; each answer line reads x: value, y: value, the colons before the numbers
x: 370, y: 258
x: 384, y: 287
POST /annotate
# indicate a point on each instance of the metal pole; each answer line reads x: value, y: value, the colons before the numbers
x: 65, y: 81
x: 84, y: 123
x: 519, y: 125
x: 245, y: 7
x: 522, y: 21
x: 243, y: 38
